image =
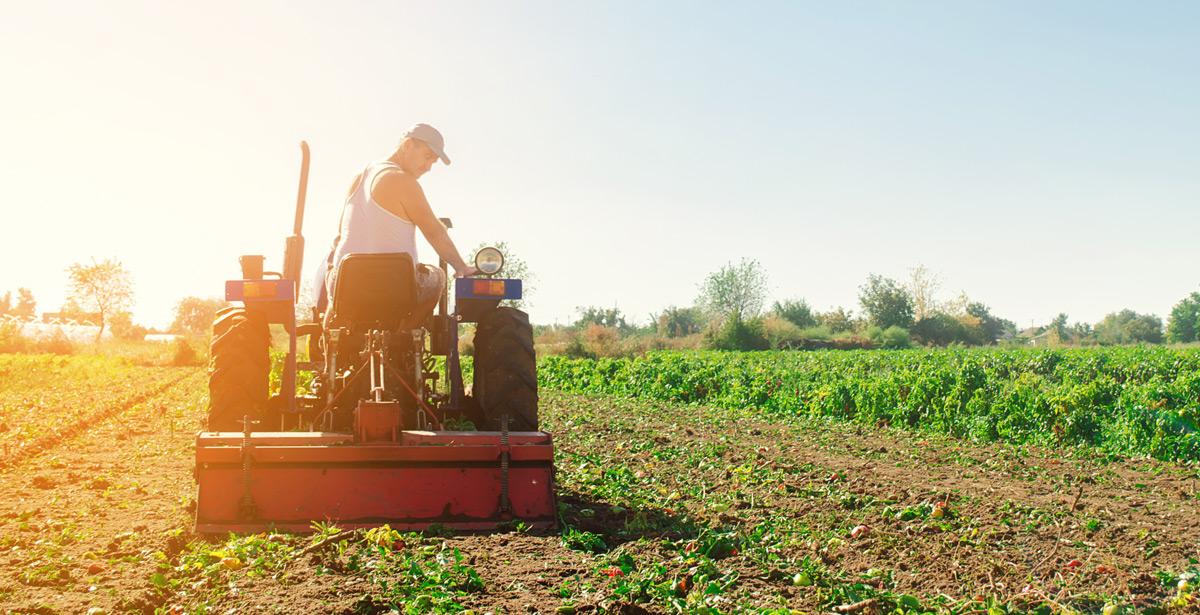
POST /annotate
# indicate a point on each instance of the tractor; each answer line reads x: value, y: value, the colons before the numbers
x: 383, y: 429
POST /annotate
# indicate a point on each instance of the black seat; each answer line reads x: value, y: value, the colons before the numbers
x: 376, y: 291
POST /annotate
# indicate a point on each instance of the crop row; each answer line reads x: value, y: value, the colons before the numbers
x: 44, y: 396
x: 1129, y: 401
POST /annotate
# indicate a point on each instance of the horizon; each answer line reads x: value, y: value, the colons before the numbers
x: 1039, y: 158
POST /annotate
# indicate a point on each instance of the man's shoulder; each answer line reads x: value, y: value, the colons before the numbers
x: 394, y: 173
x: 392, y: 177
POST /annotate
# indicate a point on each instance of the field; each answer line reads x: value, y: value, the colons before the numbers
x: 760, y: 483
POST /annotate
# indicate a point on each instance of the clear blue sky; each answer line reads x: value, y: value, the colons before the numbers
x: 1042, y: 157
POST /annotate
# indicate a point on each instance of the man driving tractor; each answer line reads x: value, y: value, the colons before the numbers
x: 385, y: 429
x: 383, y: 209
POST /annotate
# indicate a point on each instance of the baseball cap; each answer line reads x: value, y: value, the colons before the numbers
x: 429, y: 136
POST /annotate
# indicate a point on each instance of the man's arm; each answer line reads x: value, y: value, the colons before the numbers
x: 400, y: 194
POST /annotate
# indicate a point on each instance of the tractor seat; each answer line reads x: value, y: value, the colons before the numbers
x: 375, y: 291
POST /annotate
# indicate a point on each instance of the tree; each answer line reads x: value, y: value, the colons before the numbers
x: 837, y: 320
x: 26, y: 305
x: 72, y: 311
x: 515, y: 268
x: 922, y: 287
x: 1058, y: 329
x: 886, y: 303
x: 605, y: 317
x: 123, y: 328
x: 6, y: 303
x: 796, y: 312
x: 1082, y: 334
x: 736, y: 291
x: 195, y: 315
x: 104, y: 288
x: 988, y: 326
x: 1184, y: 321
x: 1129, y: 327
x: 940, y: 329
x: 679, y: 322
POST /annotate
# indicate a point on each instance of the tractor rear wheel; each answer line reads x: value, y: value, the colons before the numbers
x: 505, y: 379
x: 238, y: 369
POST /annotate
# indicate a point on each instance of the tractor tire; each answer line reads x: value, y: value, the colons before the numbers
x: 238, y: 370
x: 505, y: 380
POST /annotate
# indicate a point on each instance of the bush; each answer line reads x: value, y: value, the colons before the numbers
x: 11, y: 339
x: 781, y: 332
x: 895, y: 337
x: 940, y: 329
x: 185, y: 354
x: 819, y: 333
x: 122, y: 327
x: 576, y: 350
x: 796, y: 312
x: 737, y: 334
x: 466, y: 342
x: 891, y: 337
x: 602, y: 341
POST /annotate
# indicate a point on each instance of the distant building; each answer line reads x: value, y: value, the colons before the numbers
x: 1036, y: 336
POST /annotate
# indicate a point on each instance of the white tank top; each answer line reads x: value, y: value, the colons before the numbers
x: 369, y: 228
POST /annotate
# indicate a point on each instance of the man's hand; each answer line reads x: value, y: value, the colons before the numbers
x: 466, y: 271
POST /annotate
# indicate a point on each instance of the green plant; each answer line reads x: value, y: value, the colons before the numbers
x: 737, y: 334
x: 1133, y: 401
x: 583, y: 541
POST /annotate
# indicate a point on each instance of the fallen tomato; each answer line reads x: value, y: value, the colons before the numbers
x: 859, y: 531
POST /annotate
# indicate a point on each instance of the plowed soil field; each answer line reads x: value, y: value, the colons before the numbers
x: 663, y: 509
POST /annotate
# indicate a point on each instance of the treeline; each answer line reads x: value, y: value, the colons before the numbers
x: 99, y: 294
x: 730, y: 313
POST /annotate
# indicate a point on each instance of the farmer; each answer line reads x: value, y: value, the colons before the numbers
x: 384, y: 208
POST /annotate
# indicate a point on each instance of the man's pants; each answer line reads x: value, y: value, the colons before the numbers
x: 431, y: 282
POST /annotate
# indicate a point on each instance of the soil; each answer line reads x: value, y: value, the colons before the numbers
x: 85, y: 523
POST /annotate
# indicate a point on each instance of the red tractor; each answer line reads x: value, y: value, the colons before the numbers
x: 384, y: 431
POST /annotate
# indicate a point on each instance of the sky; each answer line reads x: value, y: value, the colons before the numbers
x: 1041, y: 157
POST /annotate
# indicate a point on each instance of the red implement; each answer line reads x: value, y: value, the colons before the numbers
x: 458, y: 479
